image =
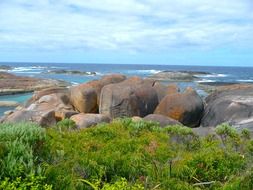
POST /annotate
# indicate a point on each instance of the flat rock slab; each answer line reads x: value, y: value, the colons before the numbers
x: 12, y: 84
x: 9, y: 104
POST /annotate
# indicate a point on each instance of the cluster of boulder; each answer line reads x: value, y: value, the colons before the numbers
x: 115, y: 96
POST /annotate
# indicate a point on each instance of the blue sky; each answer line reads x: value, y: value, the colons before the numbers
x: 185, y: 32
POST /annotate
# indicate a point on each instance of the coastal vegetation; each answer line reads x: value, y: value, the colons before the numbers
x: 123, y: 154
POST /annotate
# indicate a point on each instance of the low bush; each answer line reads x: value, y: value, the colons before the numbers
x: 20, y: 145
x: 124, y: 155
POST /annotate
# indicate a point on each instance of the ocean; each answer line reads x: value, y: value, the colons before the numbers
x: 40, y: 70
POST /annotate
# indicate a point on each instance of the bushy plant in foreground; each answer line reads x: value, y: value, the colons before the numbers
x: 66, y: 124
x: 19, y: 144
x: 141, y: 152
x: 30, y: 182
x: 124, y: 155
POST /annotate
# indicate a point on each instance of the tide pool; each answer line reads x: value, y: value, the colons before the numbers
x: 21, y: 98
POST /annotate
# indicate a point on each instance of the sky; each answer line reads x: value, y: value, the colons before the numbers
x: 171, y: 32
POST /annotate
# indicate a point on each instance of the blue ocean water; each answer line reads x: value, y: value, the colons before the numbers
x: 40, y: 70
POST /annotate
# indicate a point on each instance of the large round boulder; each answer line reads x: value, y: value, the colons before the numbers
x: 83, y: 120
x: 232, y: 104
x: 161, y: 119
x: 132, y: 97
x: 163, y: 90
x: 187, y: 107
x: 85, y: 97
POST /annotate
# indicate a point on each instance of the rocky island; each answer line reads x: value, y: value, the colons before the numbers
x: 71, y: 72
x: 177, y: 76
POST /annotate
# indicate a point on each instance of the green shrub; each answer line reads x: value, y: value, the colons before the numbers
x: 19, y: 145
x: 30, y: 182
x: 180, y: 135
x: 123, y: 155
x: 66, y: 124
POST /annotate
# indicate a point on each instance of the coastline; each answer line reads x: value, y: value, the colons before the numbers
x: 203, y: 79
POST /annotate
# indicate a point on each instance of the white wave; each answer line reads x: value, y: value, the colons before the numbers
x: 145, y: 71
x: 24, y: 69
x: 246, y: 80
x: 214, y: 75
x: 74, y: 83
x: 99, y: 74
x: 205, y: 80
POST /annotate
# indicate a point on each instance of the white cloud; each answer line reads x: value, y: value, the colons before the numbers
x: 130, y: 25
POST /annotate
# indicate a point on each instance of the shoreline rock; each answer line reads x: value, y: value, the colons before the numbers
x: 5, y: 67
x: 71, y: 72
x: 177, y: 76
x: 230, y: 104
x: 11, y: 84
x: 9, y: 104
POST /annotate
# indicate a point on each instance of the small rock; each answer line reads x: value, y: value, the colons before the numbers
x: 88, y: 120
x: 161, y: 119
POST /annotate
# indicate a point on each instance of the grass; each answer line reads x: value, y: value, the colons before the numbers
x: 124, y: 155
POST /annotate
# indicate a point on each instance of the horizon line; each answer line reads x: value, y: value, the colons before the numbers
x: 101, y: 63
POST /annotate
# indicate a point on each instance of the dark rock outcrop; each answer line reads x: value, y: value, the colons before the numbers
x: 132, y: 97
x: 176, y: 76
x: 231, y: 104
x: 187, y: 107
x: 71, y: 72
x: 5, y: 67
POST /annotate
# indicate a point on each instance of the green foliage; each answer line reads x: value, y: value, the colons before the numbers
x: 106, y: 151
x: 124, y: 155
x: 19, y: 145
x: 184, y: 136
x: 121, y: 184
x: 30, y: 182
x: 66, y: 124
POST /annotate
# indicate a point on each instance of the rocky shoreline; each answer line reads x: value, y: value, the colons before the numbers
x: 115, y: 96
x: 12, y: 84
x: 178, y: 76
x: 71, y: 72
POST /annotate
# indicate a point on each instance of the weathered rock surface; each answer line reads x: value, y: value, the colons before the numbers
x: 53, y: 90
x: 161, y: 119
x: 46, y: 111
x: 211, y: 87
x: 12, y: 84
x: 85, y: 97
x: 176, y: 76
x: 231, y: 104
x: 43, y: 118
x: 187, y: 107
x: 163, y: 90
x: 83, y: 120
x: 132, y: 97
